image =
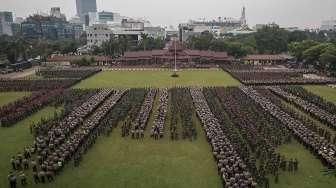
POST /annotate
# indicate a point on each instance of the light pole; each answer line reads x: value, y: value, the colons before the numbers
x: 175, y: 69
x: 175, y: 66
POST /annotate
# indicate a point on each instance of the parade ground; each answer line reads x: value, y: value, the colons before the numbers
x: 123, y: 162
x: 158, y: 78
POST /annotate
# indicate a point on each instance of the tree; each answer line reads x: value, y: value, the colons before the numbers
x: 297, y: 36
x: 201, y: 42
x: 144, y: 40
x: 328, y: 59
x: 236, y: 49
x: 271, y: 39
x: 297, y: 48
x: 312, y: 54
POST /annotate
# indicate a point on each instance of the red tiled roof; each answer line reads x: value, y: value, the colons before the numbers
x: 64, y: 58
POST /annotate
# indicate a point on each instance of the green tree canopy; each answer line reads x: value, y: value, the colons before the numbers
x: 297, y: 48
x: 328, y: 58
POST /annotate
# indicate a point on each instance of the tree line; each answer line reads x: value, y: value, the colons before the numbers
x: 267, y: 40
x: 18, y: 47
x: 311, y: 48
x: 117, y: 46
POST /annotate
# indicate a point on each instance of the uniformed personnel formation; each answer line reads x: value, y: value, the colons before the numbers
x: 182, y: 125
x: 35, y: 85
x: 325, y: 150
x: 81, y: 73
x: 322, y: 115
x: 138, y: 126
x: 260, y: 75
x: 311, y: 97
x: 262, y: 133
x: 157, y: 130
x: 20, y: 109
x: 231, y: 167
x: 68, y: 140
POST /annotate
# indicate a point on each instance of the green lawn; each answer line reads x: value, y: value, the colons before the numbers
x: 324, y: 91
x: 118, y: 162
x: 309, y: 174
x: 15, y: 138
x: 147, y: 78
x: 122, y: 162
x: 7, y: 97
x: 125, y: 163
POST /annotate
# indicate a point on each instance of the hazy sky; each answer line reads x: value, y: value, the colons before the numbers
x: 302, y: 13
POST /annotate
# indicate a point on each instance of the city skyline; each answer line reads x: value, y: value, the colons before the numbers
x: 301, y: 13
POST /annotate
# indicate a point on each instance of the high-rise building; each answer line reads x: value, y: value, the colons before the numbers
x: 84, y: 7
x: 6, y: 21
x: 328, y: 25
x: 104, y: 17
x: 49, y: 27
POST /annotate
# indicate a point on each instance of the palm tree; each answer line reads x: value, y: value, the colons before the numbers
x: 144, y: 40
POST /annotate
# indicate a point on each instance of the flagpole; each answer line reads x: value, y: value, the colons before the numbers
x: 175, y: 58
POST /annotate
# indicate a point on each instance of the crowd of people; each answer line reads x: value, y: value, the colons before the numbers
x: 85, y: 136
x: 312, y: 98
x: 140, y: 123
x: 325, y: 150
x: 157, y: 130
x: 80, y: 73
x: 261, y: 131
x: 67, y: 140
x: 309, y: 122
x: 128, y: 110
x: 70, y: 99
x: 35, y: 85
x: 181, y: 110
x: 20, y: 109
x: 266, y: 68
x: 258, y: 75
x: 322, y: 115
x: 231, y: 167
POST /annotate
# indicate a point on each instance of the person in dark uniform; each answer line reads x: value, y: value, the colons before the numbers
x: 12, y: 180
x: 23, y: 179
x: 36, y: 177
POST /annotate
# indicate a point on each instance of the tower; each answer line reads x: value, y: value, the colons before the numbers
x: 243, y: 21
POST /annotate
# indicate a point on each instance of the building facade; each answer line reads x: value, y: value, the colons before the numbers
x: 48, y: 27
x: 219, y: 26
x: 97, y: 34
x: 328, y: 25
x: 56, y: 12
x: 84, y: 7
x: 6, y: 21
x: 155, y: 32
x: 104, y: 17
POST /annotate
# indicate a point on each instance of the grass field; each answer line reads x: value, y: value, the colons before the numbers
x: 309, y: 174
x: 324, y: 91
x: 122, y: 162
x: 159, y: 79
x: 15, y: 138
x: 125, y: 163
x: 7, y: 97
